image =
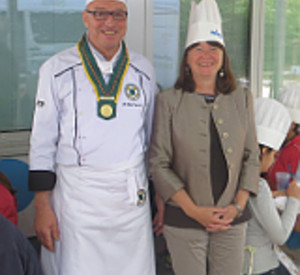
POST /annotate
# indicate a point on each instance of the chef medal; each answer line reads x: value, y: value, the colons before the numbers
x: 107, y: 94
x: 106, y: 110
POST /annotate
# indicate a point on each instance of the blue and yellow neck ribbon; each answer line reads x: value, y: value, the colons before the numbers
x: 107, y: 94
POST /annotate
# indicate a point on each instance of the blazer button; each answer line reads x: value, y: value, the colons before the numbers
x: 225, y: 135
x: 216, y: 107
x: 229, y: 150
x: 220, y: 121
x: 230, y: 166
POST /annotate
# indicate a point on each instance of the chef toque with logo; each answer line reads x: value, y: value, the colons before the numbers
x: 123, y: 1
x: 205, y: 23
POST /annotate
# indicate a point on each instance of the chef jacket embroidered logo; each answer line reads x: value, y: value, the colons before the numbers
x: 132, y: 92
x: 141, y: 197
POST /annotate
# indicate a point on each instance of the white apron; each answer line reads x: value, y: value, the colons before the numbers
x: 102, y: 229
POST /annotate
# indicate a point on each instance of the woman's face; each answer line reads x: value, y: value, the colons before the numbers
x: 205, y: 60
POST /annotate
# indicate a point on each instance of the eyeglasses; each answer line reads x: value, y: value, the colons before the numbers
x: 103, y: 15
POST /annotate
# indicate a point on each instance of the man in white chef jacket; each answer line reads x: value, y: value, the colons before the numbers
x: 90, y: 132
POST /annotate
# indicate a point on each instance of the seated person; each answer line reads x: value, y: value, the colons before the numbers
x: 8, y: 201
x: 267, y: 227
x: 17, y: 255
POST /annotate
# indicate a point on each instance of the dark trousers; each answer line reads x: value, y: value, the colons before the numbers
x: 281, y: 270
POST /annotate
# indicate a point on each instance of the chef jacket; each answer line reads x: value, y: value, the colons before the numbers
x: 66, y: 128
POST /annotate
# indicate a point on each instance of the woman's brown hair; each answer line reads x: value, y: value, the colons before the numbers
x: 224, y: 84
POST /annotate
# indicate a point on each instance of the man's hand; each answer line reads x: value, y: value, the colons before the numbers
x: 45, y: 223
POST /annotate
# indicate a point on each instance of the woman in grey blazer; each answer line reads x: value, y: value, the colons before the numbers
x: 204, y: 155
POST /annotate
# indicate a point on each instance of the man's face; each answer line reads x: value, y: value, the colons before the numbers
x: 105, y: 35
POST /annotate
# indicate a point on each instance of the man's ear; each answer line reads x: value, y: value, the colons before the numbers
x: 84, y: 19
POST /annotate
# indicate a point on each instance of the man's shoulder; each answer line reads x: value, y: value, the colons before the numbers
x: 62, y: 61
x: 141, y: 64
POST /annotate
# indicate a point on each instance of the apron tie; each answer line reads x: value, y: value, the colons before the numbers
x: 132, y: 187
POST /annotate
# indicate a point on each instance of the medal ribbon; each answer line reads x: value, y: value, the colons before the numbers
x: 107, y: 94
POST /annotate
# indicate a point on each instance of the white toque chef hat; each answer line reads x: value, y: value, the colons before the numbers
x: 272, y: 121
x: 123, y: 1
x: 290, y: 98
x: 205, y: 23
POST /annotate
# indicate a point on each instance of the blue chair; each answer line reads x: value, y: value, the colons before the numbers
x: 294, y: 240
x: 17, y: 172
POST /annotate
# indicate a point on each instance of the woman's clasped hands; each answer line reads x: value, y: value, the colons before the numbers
x: 212, y: 218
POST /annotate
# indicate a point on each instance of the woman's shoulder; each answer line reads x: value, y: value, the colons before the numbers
x: 241, y: 91
x: 171, y: 95
x: 243, y: 97
x: 170, y: 92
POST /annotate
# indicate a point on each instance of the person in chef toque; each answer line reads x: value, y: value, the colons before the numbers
x: 204, y: 156
x: 288, y: 160
x: 267, y: 227
x: 91, y: 129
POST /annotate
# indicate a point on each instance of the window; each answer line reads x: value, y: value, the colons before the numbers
x: 282, y: 45
x: 30, y: 32
x: 33, y: 30
x: 170, y: 29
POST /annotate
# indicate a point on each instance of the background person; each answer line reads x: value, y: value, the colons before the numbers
x: 8, y: 201
x: 90, y: 133
x: 288, y: 159
x: 267, y: 227
x: 17, y: 255
x: 204, y: 155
